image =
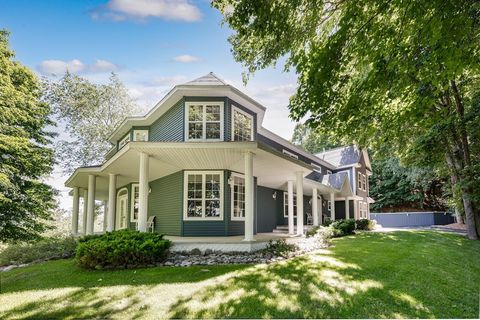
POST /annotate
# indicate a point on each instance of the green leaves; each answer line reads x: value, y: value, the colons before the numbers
x: 25, y: 157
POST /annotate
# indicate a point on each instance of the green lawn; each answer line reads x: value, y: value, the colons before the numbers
x: 403, y: 274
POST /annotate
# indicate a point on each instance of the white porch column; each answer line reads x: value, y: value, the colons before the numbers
x: 355, y: 209
x: 249, y: 196
x: 105, y: 215
x: 91, y: 203
x: 315, y: 206
x: 143, y: 192
x: 320, y: 214
x: 299, y: 203
x: 332, y: 206
x: 347, y: 208
x: 84, y: 213
x: 291, y: 222
x: 112, y: 185
x: 76, y: 199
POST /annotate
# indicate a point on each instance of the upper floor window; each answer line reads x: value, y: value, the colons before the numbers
x: 242, y: 126
x: 140, y: 135
x: 329, y: 172
x: 204, y: 121
x: 359, y: 176
x: 316, y: 167
x: 124, y: 141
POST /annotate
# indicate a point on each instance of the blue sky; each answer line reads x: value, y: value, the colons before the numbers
x: 151, y: 44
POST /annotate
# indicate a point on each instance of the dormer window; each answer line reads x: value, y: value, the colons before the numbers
x: 204, y: 121
x: 242, y: 125
x: 124, y: 141
x: 140, y: 135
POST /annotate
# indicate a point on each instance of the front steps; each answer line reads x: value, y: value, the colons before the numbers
x: 283, y: 229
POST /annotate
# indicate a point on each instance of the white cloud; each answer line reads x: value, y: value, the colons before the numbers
x: 186, y: 58
x: 58, y: 67
x: 177, y: 10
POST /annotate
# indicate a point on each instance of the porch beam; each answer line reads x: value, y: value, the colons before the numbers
x: 91, y: 203
x: 143, y: 192
x: 347, y: 208
x: 248, y: 157
x: 112, y: 186
x: 299, y: 203
x: 76, y: 203
x: 315, y: 206
x: 291, y: 222
x: 84, y: 213
x: 332, y: 206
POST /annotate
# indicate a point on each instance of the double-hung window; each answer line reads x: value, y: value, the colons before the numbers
x: 359, y: 176
x: 238, y: 197
x: 285, y: 205
x: 203, y: 195
x: 204, y: 121
x: 140, y: 135
x: 242, y: 125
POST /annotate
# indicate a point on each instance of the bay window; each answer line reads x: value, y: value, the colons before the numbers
x: 203, y: 195
x: 242, y: 125
x: 204, y: 121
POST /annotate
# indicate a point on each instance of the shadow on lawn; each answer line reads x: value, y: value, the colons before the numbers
x: 332, y: 284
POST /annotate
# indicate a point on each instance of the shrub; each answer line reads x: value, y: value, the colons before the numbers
x: 364, y: 224
x: 44, y: 249
x: 343, y: 227
x: 121, y: 248
x: 312, y: 231
x: 327, y: 222
x: 280, y: 247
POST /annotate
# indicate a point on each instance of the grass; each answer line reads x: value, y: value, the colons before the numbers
x: 424, y: 274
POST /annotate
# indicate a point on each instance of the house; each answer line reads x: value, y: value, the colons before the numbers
x: 200, y: 163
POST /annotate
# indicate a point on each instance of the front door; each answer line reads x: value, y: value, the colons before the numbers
x: 122, y: 211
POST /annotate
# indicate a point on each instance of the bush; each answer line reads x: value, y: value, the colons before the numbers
x: 343, y: 227
x: 45, y: 249
x: 364, y: 224
x: 121, y: 248
x: 280, y: 248
x: 312, y: 232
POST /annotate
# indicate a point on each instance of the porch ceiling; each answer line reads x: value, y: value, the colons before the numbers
x: 272, y: 169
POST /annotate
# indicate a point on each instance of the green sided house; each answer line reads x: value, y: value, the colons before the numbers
x: 200, y: 164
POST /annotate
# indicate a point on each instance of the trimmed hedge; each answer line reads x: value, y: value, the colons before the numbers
x: 119, y: 249
x: 364, y: 224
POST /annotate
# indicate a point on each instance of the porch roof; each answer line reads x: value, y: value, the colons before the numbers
x: 272, y: 168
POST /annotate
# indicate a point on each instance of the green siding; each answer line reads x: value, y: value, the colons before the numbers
x: 170, y: 126
x: 165, y: 202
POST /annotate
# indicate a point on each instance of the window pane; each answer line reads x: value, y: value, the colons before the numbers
x: 238, y: 197
x: 242, y: 127
x: 212, y: 208
x: 136, y: 203
x: 194, y: 208
x: 195, y: 113
x: 195, y: 130
x: 212, y: 186
x: 213, y: 130
x: 213, y: 113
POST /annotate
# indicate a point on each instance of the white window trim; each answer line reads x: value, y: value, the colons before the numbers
x: 329, y: 205
x: 232, y: 194
x: 120, y: 145
x: 316, y: 167
x: 204, y: 131
x: 185, y: 196
x: 329, y: 171
x: 359, y: 175
x: 248, y: 115
x: 290, y: 154
x: 285, y: 204
x: 132, y: 201
x: 141, y: 130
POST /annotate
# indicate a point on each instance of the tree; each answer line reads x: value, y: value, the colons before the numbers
x: 26, y: 203
x: 90, y: 112
x: 399, y: 73
x: 311, y: 140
